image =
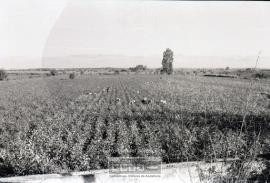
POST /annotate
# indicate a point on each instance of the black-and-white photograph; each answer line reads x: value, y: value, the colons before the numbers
x: 117, y: 91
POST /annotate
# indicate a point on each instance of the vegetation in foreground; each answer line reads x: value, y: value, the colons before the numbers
x: 53, y: 124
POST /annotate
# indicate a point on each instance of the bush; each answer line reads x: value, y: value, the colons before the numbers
x: 72, y: 75
x: 3, y: 74
x: 53, y: 72
x: 260, y: 75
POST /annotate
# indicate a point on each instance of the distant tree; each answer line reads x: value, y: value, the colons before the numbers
x: 116, y: 72
x: 53, y: 72
x: 167, y: 66
x: 227, y: 68
x: 132, y: 69
x: 72, y: 75
x: 138, y: 68
x: 141, y: 67
x: 3, y: 74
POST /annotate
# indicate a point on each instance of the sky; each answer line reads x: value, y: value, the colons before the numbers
x: 84, y: 33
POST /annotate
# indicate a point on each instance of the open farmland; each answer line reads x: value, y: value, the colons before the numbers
x: 54, y: 124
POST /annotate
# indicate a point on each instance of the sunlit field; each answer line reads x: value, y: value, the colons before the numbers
x: 55, y: 123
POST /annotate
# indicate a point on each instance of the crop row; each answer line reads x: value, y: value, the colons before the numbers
x: 50, y: 125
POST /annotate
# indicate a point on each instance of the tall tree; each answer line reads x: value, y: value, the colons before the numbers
x: 167, y: 66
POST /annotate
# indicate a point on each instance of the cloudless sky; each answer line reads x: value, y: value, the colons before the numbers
x: 86, y: 33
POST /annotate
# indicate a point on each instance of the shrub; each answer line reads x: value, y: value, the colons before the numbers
x: 3, y: 74
x: 260, y: 75
x: 72, y: 75
x: 53, y: 72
